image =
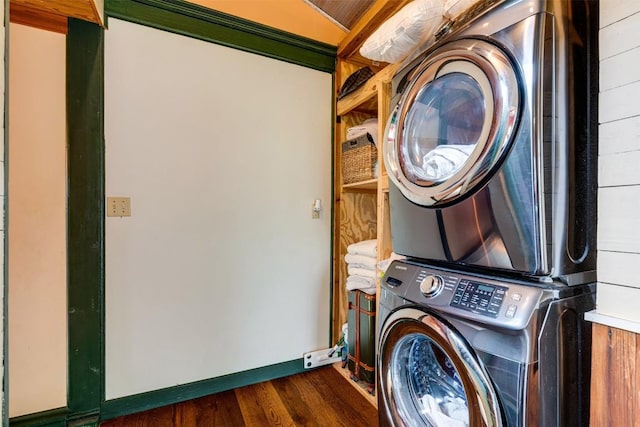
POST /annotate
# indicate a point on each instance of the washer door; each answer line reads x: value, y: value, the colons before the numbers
x: 454, y: 122
x: 429, y: 376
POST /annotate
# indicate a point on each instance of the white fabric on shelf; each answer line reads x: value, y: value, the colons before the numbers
x: 365, y: 284
x: 369, y: 126
x: 355, y: 271
x: 395, y: 38
x: 360, y: 261
x: 360, y: 281
x: 365, y: 247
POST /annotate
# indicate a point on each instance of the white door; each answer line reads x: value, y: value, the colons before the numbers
x: 220, y: 268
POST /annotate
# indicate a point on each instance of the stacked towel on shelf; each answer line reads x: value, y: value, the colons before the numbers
x: 361, y: 266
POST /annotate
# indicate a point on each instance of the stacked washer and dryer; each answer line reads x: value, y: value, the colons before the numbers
x: 491, y: 151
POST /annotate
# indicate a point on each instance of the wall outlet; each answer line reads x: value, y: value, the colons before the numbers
x: 119, y: 206
x: 317, y: 358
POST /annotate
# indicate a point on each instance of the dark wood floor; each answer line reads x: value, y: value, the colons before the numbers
x: 321, y: 397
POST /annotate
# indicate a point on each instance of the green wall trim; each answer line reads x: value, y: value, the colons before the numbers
x: 167, y: 396
x: 52, y: 418
x: 85, y: 218
x: 192, y: 20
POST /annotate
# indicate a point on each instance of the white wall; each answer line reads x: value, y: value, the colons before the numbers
x: 37, y: 221
x: 619, y: 157
x: 220, y: 268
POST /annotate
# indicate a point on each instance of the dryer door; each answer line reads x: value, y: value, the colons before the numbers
x: 430, y: 376
x: 453, y: 123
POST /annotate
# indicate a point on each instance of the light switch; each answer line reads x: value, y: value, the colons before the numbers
x: 119, y: 206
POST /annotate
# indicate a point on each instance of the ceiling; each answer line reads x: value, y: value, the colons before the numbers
x: 327, y: 21
x: 344, y: 12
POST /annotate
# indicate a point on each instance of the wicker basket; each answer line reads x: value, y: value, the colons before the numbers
x: 359, y: 156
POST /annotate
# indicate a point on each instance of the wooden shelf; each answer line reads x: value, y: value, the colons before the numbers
x: 363, y: 100
x: 363, y: 207
x: 370, y: 184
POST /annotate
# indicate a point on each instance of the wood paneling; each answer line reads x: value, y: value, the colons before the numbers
x: 619, y: 137
x: 80, y: 9
x: 320, y: 397
x: 618, y: 219
x: 615, y: 397
x: 614, y: 10
x: 619, y: 153
x: 20, y: 14
x: 615, y: 104
x: 620, y: 37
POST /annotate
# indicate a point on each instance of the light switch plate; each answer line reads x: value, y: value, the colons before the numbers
x: 118, y: 206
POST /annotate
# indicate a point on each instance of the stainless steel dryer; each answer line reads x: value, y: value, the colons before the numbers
x: 462, y: 350
x: 491, y: 147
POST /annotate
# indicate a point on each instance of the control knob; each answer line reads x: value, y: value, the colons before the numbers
x: 431, y: 286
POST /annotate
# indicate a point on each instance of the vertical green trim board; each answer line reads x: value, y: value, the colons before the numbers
x: 5, y: 209
x: 85, y: 224
x: 191, y: 20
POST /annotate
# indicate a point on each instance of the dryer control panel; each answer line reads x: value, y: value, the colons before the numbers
x: 487, y: 300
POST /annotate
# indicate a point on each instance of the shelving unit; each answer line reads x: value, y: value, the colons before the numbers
x: 362, y: 208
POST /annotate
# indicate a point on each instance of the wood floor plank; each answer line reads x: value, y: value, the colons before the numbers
x: 261, y: 406
x: 343, y: 398
x: 159, y: 417
x: 305, y: 404
x: 220, y: 410
x: 316, y: 398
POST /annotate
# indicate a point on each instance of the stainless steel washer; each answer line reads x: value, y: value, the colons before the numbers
x: 464, y: 350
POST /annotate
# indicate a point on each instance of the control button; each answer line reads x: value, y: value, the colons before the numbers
x: 511, y: 311
x: 431, y: 286
x: 393, y: 282
x: 516, y: 297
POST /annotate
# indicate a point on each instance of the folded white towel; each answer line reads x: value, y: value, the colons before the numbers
x: 360, y: 261
x: 360, y: 281
x: 366, y: 247
x: 365, y: 284
x: 355, y: 271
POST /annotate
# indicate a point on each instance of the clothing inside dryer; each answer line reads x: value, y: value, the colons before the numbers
x: 445, y: 123
x: 435, y: 393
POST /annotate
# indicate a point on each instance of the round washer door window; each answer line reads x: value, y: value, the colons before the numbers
x: 429, y: 376
x: 426, y: 383
x: 453, y: 123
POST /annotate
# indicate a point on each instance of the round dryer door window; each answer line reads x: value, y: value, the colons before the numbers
x: 429, y: 376
x: 453, y: 123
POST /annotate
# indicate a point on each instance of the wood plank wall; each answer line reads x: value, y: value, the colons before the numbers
x: 615, y: 392
x: 619, y: 155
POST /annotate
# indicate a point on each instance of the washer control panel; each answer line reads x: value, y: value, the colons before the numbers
x: 479, y: 297
x: 488, y: 300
